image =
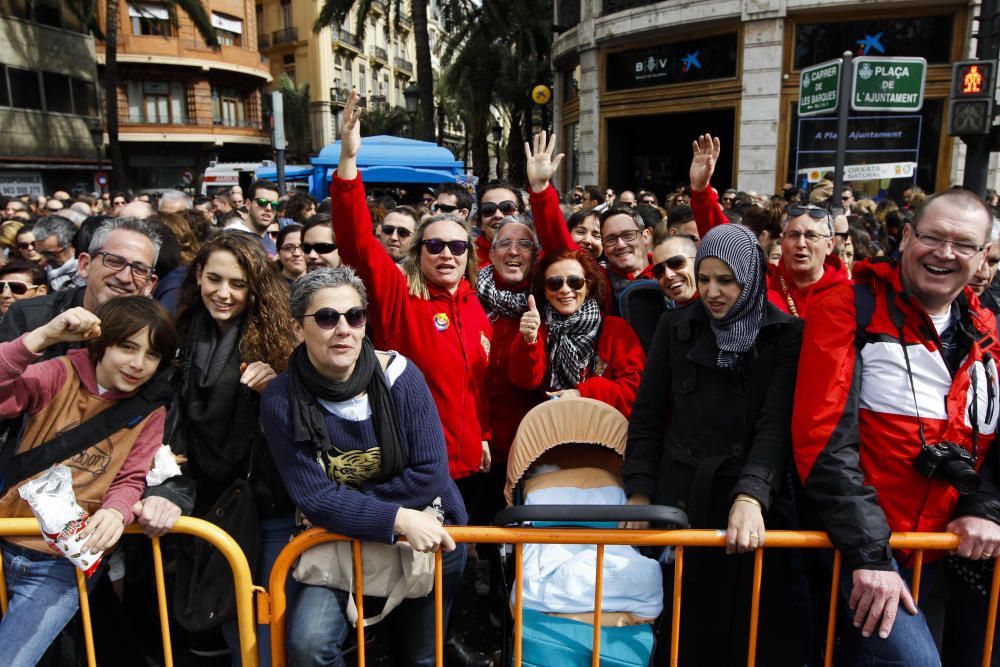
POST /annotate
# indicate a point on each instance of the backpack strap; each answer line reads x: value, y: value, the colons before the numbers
x: 123, y: 414
x: 864, y: 308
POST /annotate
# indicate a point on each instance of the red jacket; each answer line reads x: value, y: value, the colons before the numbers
x: 855, y: 429
x: 614, y: 380
x: 782, y: 289
x: 447, y: 336
x: 707, y: 210
x: 483, y: 247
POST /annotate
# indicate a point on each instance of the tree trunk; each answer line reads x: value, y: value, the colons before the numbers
x: 425, y: 74
x: 119, y: 179
x: 481, y: 156
x: 516, y: 166
x: 440, y: 123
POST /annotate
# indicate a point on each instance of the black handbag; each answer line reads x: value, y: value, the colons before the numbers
x: 204, y: 595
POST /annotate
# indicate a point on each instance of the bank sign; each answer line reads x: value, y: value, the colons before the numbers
x: 888, y: 84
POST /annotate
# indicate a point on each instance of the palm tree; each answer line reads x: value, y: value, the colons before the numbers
x: 87, y: 9
x: 296, y: 111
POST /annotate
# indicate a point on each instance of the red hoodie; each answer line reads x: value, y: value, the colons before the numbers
x: 783, y: 293
x: 446, y: 336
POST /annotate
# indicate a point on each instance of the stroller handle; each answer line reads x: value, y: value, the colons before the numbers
x: 658, y: 514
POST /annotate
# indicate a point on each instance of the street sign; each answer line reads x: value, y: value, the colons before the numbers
x: 187, y: 177
x: 102, y: 179
x: 541, y: 94
x: 819, y: 86
x: 888, y: 84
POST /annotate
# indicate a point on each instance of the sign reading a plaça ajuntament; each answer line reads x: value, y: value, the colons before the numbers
x: 819, y: 88
x: 888, y: 84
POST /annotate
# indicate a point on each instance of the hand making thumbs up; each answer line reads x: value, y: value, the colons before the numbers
x: 530, y: 322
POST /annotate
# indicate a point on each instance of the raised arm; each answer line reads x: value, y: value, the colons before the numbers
x: 549, y: 223
x: 704, y: 199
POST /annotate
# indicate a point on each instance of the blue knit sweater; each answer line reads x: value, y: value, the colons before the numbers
x: 367, y: 512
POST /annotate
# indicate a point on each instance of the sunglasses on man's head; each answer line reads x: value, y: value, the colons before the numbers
x: 506, y: 207
x: 555, y: 283
x: 403, y: 232
x: 264, y: 203
x: 16, y: 287
x: 320, y: 248
x: 437, y: 246
x: 443, y: 208
x: 328, y: 318
x: 675, y: 263
x: 813, y: 212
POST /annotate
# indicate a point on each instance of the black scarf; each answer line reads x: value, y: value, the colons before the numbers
x: 306, y: 384
x: 498, y: 301
x: 217, y: 411
x: 571, y: 343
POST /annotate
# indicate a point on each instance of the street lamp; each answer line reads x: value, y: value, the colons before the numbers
x: 411, y: 94
x: 497, y: 132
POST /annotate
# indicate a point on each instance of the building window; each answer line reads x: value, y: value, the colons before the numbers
x: 84, y: 97
x: 150, y: 19
x: 924, y: 36
x: 228, y: 107
x: 47, y: 13
x: 286, y: 13
x: 26, y: 90
x: 57, y: 93
x: 288, y: 64
x: 4, y: 90
x: 228, y: 29
x: 690, y: 61
x: 259, y: 9
x: 362, y: 81
x: 157, y: 102
x: 349, y: 74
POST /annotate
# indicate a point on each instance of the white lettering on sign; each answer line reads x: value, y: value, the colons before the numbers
x: 14, y: 183
x: 825, y: 73
x: 651, y: 65
x: 895, y: 71
x: 886, y: 97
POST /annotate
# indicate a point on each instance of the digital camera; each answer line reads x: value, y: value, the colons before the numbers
x: 946, y: 460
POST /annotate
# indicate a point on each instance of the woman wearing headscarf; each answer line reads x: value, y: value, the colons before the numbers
x: 725, y: 367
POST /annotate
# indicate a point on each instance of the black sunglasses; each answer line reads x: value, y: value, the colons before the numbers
x: 403, y: 232
x: 506, y: 207
x: 15, y: 286
x: 320, y: 248
x: 555, y: 283
x: 675, y: 263
x: 264, y: 203
x: 444, y: 208
x: 24, y: 245
x: 437, y: 246
x: 328, y: 318
x: 812, y: 211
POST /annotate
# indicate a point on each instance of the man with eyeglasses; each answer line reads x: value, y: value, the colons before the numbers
x: 452, y: 198
x: 19, y: 280
x: 894, y: 372
x: 396, y: 232
x: 808, y: 267
x: 54, y: 242
x: 984, y: 280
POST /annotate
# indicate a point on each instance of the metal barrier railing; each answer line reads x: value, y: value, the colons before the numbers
x: 198, y: 528
x: 917, y: 542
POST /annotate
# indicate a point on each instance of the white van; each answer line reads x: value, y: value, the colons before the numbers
x: 224, y: 175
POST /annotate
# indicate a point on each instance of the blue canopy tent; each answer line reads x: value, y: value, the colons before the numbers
x: 300, y: 173
x: 385, y: 159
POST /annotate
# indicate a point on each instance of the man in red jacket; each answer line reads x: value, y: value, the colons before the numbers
x: 895, y: 410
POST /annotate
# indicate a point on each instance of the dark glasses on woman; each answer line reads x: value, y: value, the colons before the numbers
x: 389, y: 230
x: 555, y: 283
x: 320, y: 248
x: 328, y: 318
x: 675, y: 263
x: 25, y: 245
x: 437, y: 246
x: 506, y: 207
x: 16, y: 287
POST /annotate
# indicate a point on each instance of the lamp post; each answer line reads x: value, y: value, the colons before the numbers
x: 411, y: 94
x: 97, y: 135
x: 497, y: 132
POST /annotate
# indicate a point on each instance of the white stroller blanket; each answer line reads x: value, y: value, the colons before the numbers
x: 560, y: 577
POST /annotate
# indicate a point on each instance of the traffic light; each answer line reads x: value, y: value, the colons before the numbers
x: 973, y: 84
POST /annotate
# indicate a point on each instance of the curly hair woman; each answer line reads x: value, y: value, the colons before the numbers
x: 235, y: 332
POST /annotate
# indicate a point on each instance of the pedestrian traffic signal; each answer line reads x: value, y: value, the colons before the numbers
x: 973, y: 83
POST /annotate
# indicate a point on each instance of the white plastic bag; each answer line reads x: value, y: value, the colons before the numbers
x: 53, y: 502
x: 164, y: 466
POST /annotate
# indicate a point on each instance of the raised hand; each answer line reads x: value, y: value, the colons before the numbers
x: 530, y: 321
x: 706, y: 153
x: 350, y: 139
x: 70, y: 326
x: 541, y: 165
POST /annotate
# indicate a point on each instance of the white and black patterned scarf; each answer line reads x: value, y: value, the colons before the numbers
x: 738, y: 248
x: 571, y: 343
x: 497, y: 301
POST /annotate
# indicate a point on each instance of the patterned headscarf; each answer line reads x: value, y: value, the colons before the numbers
x: 738, y: 248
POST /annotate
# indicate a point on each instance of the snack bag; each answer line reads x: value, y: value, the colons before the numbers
x: 53, y: 502
x: 164, y: 466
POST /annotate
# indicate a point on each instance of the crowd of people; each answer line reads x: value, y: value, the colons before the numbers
x: 809, y: 360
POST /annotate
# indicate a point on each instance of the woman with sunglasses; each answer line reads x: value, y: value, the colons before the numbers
x: 319, y: 243
x: 236, y: 335
x: 711, y: 432
x: 20, y: 280
x: 24, y: 244
x: 568, y: 348
x: 429, y: 311
x: 356, y: 438
x: 497, y: 200
x: 291, y: 256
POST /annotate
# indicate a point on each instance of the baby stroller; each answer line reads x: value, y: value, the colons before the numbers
x: 564, y: 469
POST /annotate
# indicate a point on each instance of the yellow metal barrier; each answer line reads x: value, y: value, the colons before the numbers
x: 185, y: 526
x: 917, y: 542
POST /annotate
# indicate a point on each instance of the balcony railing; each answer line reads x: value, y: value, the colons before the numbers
x: 139, y: 118
x: 339, y: 95
x: 612, y: 6
x: 381, y: 53
x: 378, y: 6
x: 346, y: 37
x: 263, y: 41
x: 404, y: 65
x: 233, y: 122
x: 285, y: 36
x: 405, y: 23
